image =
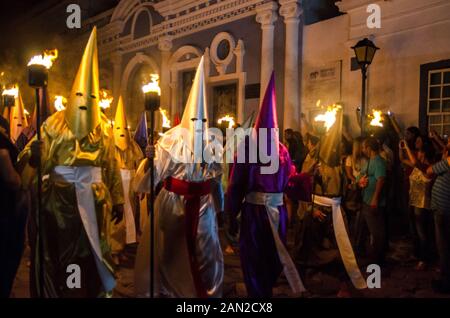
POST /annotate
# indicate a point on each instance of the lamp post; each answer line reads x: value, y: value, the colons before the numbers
x: 364, y: 52
x: 152, y: 100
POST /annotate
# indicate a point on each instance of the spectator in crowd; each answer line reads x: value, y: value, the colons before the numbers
x: 352, y: 201
x: 440, y: 204
x: 372, y: 181
x: 420, y: 195
x: 11, y: 233
x: 411, y: 135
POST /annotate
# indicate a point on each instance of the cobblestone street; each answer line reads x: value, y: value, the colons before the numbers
x: 399, y: 278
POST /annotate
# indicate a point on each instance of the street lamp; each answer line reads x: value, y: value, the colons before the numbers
x: 364, y: 52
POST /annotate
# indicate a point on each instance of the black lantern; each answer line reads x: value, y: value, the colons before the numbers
x: 365, y: 52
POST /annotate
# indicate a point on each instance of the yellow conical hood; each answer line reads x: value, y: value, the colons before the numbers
x: 18, y: 120
x: 121, y: 132
x: 82, y: 113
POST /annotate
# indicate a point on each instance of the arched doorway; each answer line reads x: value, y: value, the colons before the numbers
x: 136, y: 74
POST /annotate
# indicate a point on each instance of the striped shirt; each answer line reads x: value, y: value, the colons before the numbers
x: 440, y: 195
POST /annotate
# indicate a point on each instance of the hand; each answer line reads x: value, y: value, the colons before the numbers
x: 319, y: 215
x: 363, y: 182
x: 433, y: 133
x: 374, y: 203
x: 117, y: 214
x: 36, y: 152
x: 150, y: 151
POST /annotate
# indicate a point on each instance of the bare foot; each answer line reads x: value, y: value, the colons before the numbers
x: 229, y: 250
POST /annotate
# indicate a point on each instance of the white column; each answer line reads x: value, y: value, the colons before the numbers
x: 290, y: 10
x: 116, y: 60
x: 266, y: 15
x: 165, y: 45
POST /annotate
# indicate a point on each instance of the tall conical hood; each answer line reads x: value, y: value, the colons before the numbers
x: 267, y: 118
x: 141, y: 133
x: 195, y: 115
x: 82, y: 113
x: 18, y: 120
x: 121, y: 132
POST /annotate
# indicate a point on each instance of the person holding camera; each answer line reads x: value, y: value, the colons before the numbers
x: 420, y: 195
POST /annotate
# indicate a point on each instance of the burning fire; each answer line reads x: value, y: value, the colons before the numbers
x: 153, y: 85
x: 11, y: 92
x: 227, y: 118
x: 166, y: 121
x: 59, y: 103
x: 329, y: 117
x: 46, y: 59
x: 105, y: 101
x: 376, y: 118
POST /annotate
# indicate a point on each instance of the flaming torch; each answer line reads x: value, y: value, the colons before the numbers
x: 376, y: 118
x: 105, y: 101
x: 9, y: 98
x: 152, y: 94
x: 165, y: 120
x: 329, y: 117
x: 38, y: 78
x: 227, y: 119
x: 60, y: 101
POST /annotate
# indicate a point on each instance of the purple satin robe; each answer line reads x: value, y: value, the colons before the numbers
x: 260, y: 263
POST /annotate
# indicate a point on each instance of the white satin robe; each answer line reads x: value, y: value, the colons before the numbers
x: 173, y: 276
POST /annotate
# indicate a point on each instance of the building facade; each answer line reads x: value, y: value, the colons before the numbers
x: 242, y: 42
x: 410, y: 74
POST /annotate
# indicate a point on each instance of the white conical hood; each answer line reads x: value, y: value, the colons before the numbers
x: 195, y: 116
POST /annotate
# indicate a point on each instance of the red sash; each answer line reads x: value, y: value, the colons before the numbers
x: 192, y: 191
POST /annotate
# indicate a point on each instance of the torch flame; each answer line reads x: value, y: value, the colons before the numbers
x: 46, y: 59
x: 228, y: 119
x: 11, y: 92
x: 153, y: 85
x: 377, y: 119
x: 59, y: 103
x: 329, y: 117
x: 105, y: 101
x: 166, y: 121
x: 318, y: 103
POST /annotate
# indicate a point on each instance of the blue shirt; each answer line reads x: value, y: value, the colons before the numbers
x: 440, y: 193
x: 376, y: 170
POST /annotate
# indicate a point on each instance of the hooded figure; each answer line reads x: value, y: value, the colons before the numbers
x: 188, y: 256
x: 259, y: 199
x: 325, y: 213
x: 83, y: 191
x: 18, y: 120
x: 128, y: 155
